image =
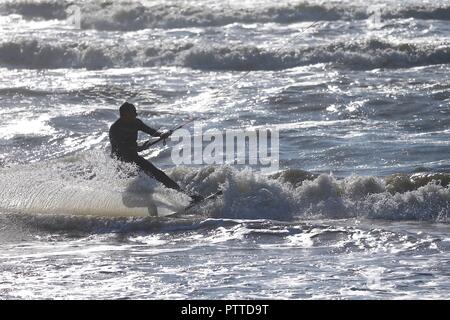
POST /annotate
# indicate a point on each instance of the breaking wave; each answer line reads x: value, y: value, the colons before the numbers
x: 362, y: 55
x: 35, y: 54
x: 422, y: 197
x: 122, y: 15
x: 38, y: 9
x: 127, y: 16
x: 90, y: 185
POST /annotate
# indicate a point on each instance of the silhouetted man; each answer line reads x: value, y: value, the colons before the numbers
x: 123, y: 137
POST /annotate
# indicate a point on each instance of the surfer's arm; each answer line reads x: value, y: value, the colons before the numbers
x: 143, y: 127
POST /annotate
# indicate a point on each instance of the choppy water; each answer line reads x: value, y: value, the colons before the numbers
x: 362, y: 103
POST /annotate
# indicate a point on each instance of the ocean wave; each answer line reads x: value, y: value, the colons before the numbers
x: 419, y: 12
x: 357, y: 55
x: 362, y: 55
x: 36, y: 54
x: 123, y: 15
x: 36, y: 9
x: 88, y: 184
x: 298, y: 195
x: 127, y: 16
x: 133, y: 16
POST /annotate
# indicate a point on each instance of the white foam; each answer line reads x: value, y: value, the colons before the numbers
x: 129, y: 15
x: 359, y: 55
x: 88, y: 184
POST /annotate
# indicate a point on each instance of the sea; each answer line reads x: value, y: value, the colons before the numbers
x: 358, y: 206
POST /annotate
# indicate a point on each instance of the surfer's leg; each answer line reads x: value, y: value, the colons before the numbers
x: 159, y: 175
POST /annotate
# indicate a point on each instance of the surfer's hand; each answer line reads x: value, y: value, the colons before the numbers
x: 166, y: 134
x: 140, y: 148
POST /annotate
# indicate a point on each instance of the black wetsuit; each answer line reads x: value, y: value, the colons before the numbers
x: 123, y: 137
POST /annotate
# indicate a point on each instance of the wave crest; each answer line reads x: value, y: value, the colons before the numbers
x: 35, y: 54
x: 89, y: 184
x: 126, y: 15
x: 363, y: 55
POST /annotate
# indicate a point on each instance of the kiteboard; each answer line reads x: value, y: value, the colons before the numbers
x: 192, y: 205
